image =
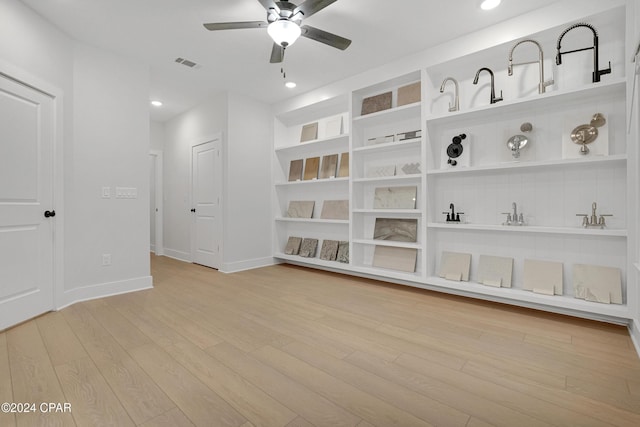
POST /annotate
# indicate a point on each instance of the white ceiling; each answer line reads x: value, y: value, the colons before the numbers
x: 156, y: 32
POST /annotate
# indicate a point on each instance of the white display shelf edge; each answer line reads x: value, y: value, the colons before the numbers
x: 385, y: 273
x: 396, y: 113
x: 313, y: 143
x: 530, y: 229
x: 390, y: 243
x: 314, y: 220
x: 389, y: 211
x: 313, y: 181
x: 389, y: 146
x: 313, y: 261
x: 415, y: 177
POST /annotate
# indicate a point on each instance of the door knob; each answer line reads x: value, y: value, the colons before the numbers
x: 48, y: 214
x: 193, y: 210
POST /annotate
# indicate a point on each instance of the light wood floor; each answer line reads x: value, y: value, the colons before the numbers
x: 287, y: 346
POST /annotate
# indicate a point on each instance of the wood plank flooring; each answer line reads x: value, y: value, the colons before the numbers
x: 292, y: 347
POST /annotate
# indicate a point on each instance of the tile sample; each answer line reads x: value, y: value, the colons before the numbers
x: 300, y: 208
x: 409, y: 94
x: 376, y: 103
x: 311, y: 166
x: 395, y: 197
x: 543, y: 277
x: 335, y: 209
x: 495, y: 271
x: 295, y: 170
x: 402, y: 136
x: 333, y: 127
x: 396, y: 229
x: 408, y: 168
x: 380, y: 139
x: 343, y: 252
x: 308, y: 248
x: 343, y: 172
x: 329, y: 166
x: 329, y: 250
x: 402, y: 259
x: 455, y: 266
x: 380, y: 171
x: 597, y: 283
x: 293, y: 245
x: 309, y: 132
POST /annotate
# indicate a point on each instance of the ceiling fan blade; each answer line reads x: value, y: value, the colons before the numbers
x: 270, y: 4
x: 235, y: 25
x: 309, y: 7
x: 277, y: 54
x: 325, y: 37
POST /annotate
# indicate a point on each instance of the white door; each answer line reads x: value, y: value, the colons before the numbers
x: 205, y: 208
x: 156, y: 198
x: 26, y: 192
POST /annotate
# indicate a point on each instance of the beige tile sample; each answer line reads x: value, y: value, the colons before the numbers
x: 395, y: 197
x: 396, y: 229
x: 308, y: 248
x: 343, y: 252
x: 455, y: 266
x: 309, y: 132
x: 333, y: 127
x: 402, y: 259
x: 495, y: 271
x: 597, y: 283
x: 329, y: 250
x: 293, y: 245
x: 343, y: 172
x: 335, y: 209
x: 295, y: 170
x: 376, y: 103
x: 408, y: 168
x: 543, y: 277
x: 409, y: 94
x: 381, y: 171
x: 311, y: 166
x: 329, y: 166
x: 300, y: 208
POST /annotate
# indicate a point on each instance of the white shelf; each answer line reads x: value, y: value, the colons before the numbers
x: 389, y: 146
x: 391, y: 115
x: 313, y: 182
x: 296, y: 259
x: 390, y: 243
x: 389, y: 211
x: 324, y: 144
x: 314, y: 220
x: 530, y: 229
x: 386, y: 274
x: 393, y: 179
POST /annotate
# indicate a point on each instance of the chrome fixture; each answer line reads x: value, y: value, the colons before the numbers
x: 587, y: 133
x: 542, y: 85
x: 518, y: 142
x: 595, y: 76
x: 514, y: 218
x: 453, y: 216
x: 456, y: 103
x: 593, y: 220
x: 455, y: 149
x: 493, y: 91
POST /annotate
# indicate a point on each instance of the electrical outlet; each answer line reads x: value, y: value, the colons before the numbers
x: 106, y: 260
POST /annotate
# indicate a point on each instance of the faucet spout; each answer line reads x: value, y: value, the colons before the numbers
x: 493, y: 99
x: 595, y: 76
x: 515, y: 210
x: 456, y: 102
x: 542, y: 85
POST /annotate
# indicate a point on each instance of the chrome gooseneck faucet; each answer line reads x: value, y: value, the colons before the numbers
x: 596, y: 72
x: 542, y: 85
x: 493, y: 91
x: 456, y: 103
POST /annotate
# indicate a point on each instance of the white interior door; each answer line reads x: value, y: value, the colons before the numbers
x: 205, y: 211
x: 26, y: 192
x: 156, y: 198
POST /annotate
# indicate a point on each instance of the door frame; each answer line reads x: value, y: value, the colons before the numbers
x: 27, y: 79
x: 159, y: 229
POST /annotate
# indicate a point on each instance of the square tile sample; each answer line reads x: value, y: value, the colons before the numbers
x: 295, y: 170
x: 343, y: 172
x: 401, y: 259
x: 335, y: 209
x: 300, y: 208
x: 455, y: 266
x: 308, y: 248
x: 395, y: 197
x: 293, y: 245
x: 380, y: 139
x: 333, y: 127
x: 309, y: 132
x: 376, y: 103
x: 329, y: 250
x: 597, y: 283
x: 495, y: 271
x: 409, y: 94
x: 396, y: 229
x: 329, y: 166
x: 408, y: 168
x: 381, y: 171
x: 311, y: 166
x: 542, y: 277
x: 343, y: 252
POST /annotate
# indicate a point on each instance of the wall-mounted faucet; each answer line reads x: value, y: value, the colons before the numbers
x: 593, y: 220
x: 453, y: 216
x: 514, y: 218
x: 595, y: 76
x: 542, y: 85
x: 493, y: 91
x: 456, y: 103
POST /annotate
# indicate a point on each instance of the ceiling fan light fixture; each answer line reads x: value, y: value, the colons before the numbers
x: 284, y: 32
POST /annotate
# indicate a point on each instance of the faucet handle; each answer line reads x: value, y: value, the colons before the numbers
x: 601, y: 221
x: 497, y: 99
x: 508, y: 221
x: 585, y: 219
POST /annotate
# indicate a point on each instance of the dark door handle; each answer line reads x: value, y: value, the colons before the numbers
x: 48, y: 214
x: 193, y: 210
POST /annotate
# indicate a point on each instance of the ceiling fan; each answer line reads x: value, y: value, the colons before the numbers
x: 283, y: 24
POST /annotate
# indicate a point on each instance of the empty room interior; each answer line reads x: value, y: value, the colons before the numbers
x: 319, y: 213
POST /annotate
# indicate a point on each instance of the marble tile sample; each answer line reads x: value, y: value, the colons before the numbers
x: 343, y: 172
x: 455, y: 266
x: 408, y: 168
x: 329, y: 166
x: 333, y: 127
x: 495, y: 271
x: 309, y: 132
x: 402, y: 259
x: 343, y: 252
x: 308, y: 248
x: 381, y: 171
x: 376, y: 103
x: 395, y: 197
x: 335, y: 209
x: 295, y: 170
x: 311, y: 166
x: 597, y: 283
x: 329, y: 250
x: 409, y: 94
x: 408, y: 135
x: 300, y: 208
x: 380, y: 139
x: 396, y: 229
x: 542, y: 277
x: 293, y: 245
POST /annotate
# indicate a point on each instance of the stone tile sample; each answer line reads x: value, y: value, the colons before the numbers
x: 401, y: 259
x: 597, y: 283
x: 311, y: 166
x: 335, y: 209
x: 329, y: 250
x: 380, y: 139
x: 329, y: 166
x: 455, y: 266
x: 293, y: 245
x: 543, y: 277
x: 408, y: 168
x: 412, y: 134
x: 295, y: 170
x: 495, y: 271
x: 343, y: 172
x: 308, y: 248
x: 333, y: 127
x: 376, y: 103
x: 409, y: 94
x: 309, y: 132
x: 300, y: 208
x: 395, y: 197
x: 381, y: 171
x: 343, y: 252
x: 396, y: 229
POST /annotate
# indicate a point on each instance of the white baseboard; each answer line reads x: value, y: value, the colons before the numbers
x: 102, y: 290
x: 152, y: 248
x: 179, y: 255
x: 634, y: 331
x: 234, y: 267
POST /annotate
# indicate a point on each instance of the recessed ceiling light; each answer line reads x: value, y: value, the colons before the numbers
x: 290, y: 85
x: 489, y: 4
x: 156, y: 103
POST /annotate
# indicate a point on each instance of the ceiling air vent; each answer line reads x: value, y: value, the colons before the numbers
x: 187, y: 63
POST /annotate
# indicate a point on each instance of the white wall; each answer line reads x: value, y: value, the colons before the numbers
x: 156, y: 136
